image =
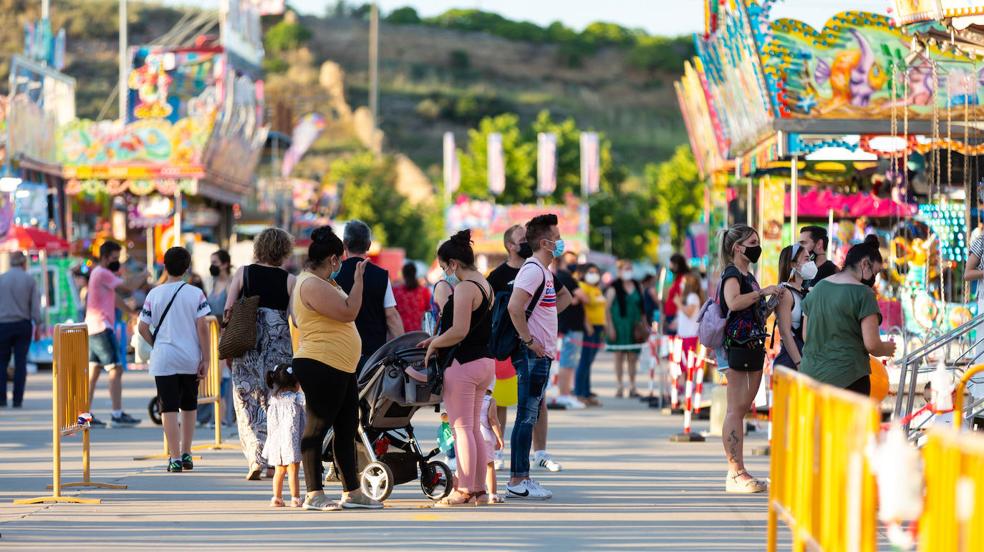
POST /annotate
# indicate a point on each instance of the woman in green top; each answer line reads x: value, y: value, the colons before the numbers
x: 624, y: 314
x: 840, y: 323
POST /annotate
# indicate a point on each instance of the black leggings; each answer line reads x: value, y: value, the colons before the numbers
x: 862, y: 385
x: 332, y: 401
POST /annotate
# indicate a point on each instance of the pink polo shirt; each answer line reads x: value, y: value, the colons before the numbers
x: 100, y: 303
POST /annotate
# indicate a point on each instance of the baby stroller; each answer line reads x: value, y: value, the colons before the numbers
x: 388, y: 453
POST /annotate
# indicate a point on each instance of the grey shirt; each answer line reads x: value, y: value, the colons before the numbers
x: 19, y: 297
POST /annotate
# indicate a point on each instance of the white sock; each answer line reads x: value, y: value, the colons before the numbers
x: 539, y: 453
x: 117, y: 413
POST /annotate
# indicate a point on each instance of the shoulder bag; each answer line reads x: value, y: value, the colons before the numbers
x: 240, y: 334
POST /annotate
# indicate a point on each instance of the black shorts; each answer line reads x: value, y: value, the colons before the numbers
x: 746, y: 360
x: 177, y: 392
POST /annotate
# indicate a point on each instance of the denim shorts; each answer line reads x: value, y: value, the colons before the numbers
x: 570, y: 349
x: 103, y: 348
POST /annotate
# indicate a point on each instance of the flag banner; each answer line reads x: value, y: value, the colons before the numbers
x: 452, y: 170
x: 496, y: 164
x: 546, y: 163
x: 590, y: 163
x: 305, y: 133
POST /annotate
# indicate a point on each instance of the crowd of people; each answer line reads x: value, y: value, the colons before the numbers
x: 297, y: 379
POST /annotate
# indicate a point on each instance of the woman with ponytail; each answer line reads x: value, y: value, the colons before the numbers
x: 743, y: 303
x: 325, y: 364
x: 841, y: 319
x: 467, y: 323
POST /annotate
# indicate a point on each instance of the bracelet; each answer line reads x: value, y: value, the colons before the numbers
x: 527, y: 342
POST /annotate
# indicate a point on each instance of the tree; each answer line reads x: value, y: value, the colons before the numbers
x: 285, y: 36
x: 678, y: 192
x: 367, y: 185
x: 519, y: 155
x: 404, y: 16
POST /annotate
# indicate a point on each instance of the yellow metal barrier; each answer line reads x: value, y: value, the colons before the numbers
x: 958, y: 398
x: 69, y: 398
x: 953, y: 511
x: 209, y: 392
x: 821, y: 484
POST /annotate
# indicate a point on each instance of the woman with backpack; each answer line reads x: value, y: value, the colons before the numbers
x: 742, y: 302
x: 795, y: 268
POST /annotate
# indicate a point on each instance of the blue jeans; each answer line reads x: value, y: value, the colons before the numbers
x: 532, y: 374
x: 582, y: 377
x: 569, y: 348
x: 15, y: 337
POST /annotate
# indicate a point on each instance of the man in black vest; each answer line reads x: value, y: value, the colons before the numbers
x: 378, y: 320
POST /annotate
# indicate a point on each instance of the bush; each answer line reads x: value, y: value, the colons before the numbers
x: 285, y: 36
x: 660, y: 54
x: 460, y: 62
x: 404, y: 16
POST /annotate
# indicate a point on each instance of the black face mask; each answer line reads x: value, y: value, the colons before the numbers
x: 214, y: 270
x: 525, y: 251
x: 870, y: 282
x: 753, y: 253
x: 114, y: 266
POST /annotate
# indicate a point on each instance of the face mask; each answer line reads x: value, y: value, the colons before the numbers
x: 808, y: 271
x: 753, y: 253
x: 214, y: 270
x: 525, y: 251
x: 626, y: 275
x: 452, y: 278
x: 114, y: 266
x: 813, y: 256
x: 335, y: 274
x: 558, y: 249
x: 592, y: 278
x: 870, y: 282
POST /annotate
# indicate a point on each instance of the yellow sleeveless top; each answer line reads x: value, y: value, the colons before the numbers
x: 325, y: 339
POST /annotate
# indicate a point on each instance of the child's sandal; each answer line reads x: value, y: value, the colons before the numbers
x: 277, y: 502
x: 296, y: 502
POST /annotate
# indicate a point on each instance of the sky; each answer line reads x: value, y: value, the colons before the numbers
x: 652, y: 15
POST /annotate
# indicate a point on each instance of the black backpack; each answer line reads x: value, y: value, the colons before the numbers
x: 504, y: 340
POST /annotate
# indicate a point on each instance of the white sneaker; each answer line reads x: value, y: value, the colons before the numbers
x: 528, y: 489
x: 498, y: 461
x: 570, y: 403
x: 540, y: 488
x: 543, y: 459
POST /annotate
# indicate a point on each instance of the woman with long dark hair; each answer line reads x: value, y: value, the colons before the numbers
x: 467, y: 325
x: 325, y: 364
x: 743, y: 303
x: 841, y: 322
x: 795, y: 269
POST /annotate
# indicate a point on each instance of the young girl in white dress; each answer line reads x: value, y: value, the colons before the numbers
x: 285, y: 424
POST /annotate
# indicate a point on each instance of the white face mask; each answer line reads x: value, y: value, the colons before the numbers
x: 808, y: 271
x: 592, y: 278
x: 626, y: 275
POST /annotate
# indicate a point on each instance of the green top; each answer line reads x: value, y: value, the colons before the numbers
x: 834, y: 352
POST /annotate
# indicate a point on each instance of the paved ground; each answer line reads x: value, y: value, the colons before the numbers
x: 624, y: 485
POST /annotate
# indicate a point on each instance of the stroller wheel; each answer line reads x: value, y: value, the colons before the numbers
x: 436, y: 481
x: 154, y: 411
x: 377, y: 481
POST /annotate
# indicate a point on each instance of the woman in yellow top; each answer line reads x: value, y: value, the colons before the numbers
x: 324, y: 364
x: 595, y: 309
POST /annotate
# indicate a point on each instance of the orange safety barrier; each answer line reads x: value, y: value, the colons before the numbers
x: 953, y: 511
x: 209, y: 392
x: 958, y: 396
x: 821, y: 483
x: 70, y: 399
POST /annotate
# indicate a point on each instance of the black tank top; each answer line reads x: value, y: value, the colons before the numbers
x: 269, y: 283
x: 475, y: 345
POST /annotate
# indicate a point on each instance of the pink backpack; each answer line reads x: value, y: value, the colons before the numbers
x: 710, y: 324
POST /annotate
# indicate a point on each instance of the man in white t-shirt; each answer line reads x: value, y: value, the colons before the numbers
x: 173, y: 323
x: 538, y: 337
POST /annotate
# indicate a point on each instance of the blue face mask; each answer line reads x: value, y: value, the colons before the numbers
x: 452, y: 279
x: 335, y: 274
x: 558, y: 249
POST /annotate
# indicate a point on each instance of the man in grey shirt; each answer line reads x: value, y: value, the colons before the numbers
x: 20, y: 305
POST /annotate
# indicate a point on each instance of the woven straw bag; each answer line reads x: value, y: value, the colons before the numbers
x: 239, y: 335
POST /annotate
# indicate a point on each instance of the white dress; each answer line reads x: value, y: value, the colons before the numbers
x: 285, y: 424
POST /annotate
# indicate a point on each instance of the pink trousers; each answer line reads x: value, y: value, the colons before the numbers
x: 464, y: 387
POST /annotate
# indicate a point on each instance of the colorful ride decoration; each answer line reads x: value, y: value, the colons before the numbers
x: 488, y: 221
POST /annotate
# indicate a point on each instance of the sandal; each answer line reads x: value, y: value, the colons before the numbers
x: 254, y: 472
x: 455, y: 500
x: 277, y: 502
x: 619, y: 392
x: 735, y: 483
x: 494, y: 499
x: 296, y: 502
x: 481, y: 497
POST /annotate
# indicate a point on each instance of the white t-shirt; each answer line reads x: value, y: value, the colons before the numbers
x: 177, y: 350
x: 686, y: 326
x: 389, y: 300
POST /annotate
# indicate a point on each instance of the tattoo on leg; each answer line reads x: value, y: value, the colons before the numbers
x: 733, y: 446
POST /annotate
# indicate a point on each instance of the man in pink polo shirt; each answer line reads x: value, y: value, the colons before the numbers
x: 100, y: 317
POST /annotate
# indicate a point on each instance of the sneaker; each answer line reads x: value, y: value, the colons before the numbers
x: 320, y: 502
x: 123, y: 420
x: 186, y: 462
x: 545, y: 461
x: 174, y: 466
x: 528, y: 489
x: 570, y: 403
x: 540, y: 488
x: 359, y: 500
x: 498, y: 461
x: 96, y: 423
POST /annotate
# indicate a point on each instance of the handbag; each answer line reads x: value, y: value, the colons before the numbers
x: 240, y: 333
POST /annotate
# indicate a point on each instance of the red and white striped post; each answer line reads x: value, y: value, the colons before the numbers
x: 699, y: 378
x: 690, y: 359
x: 676, y: 371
